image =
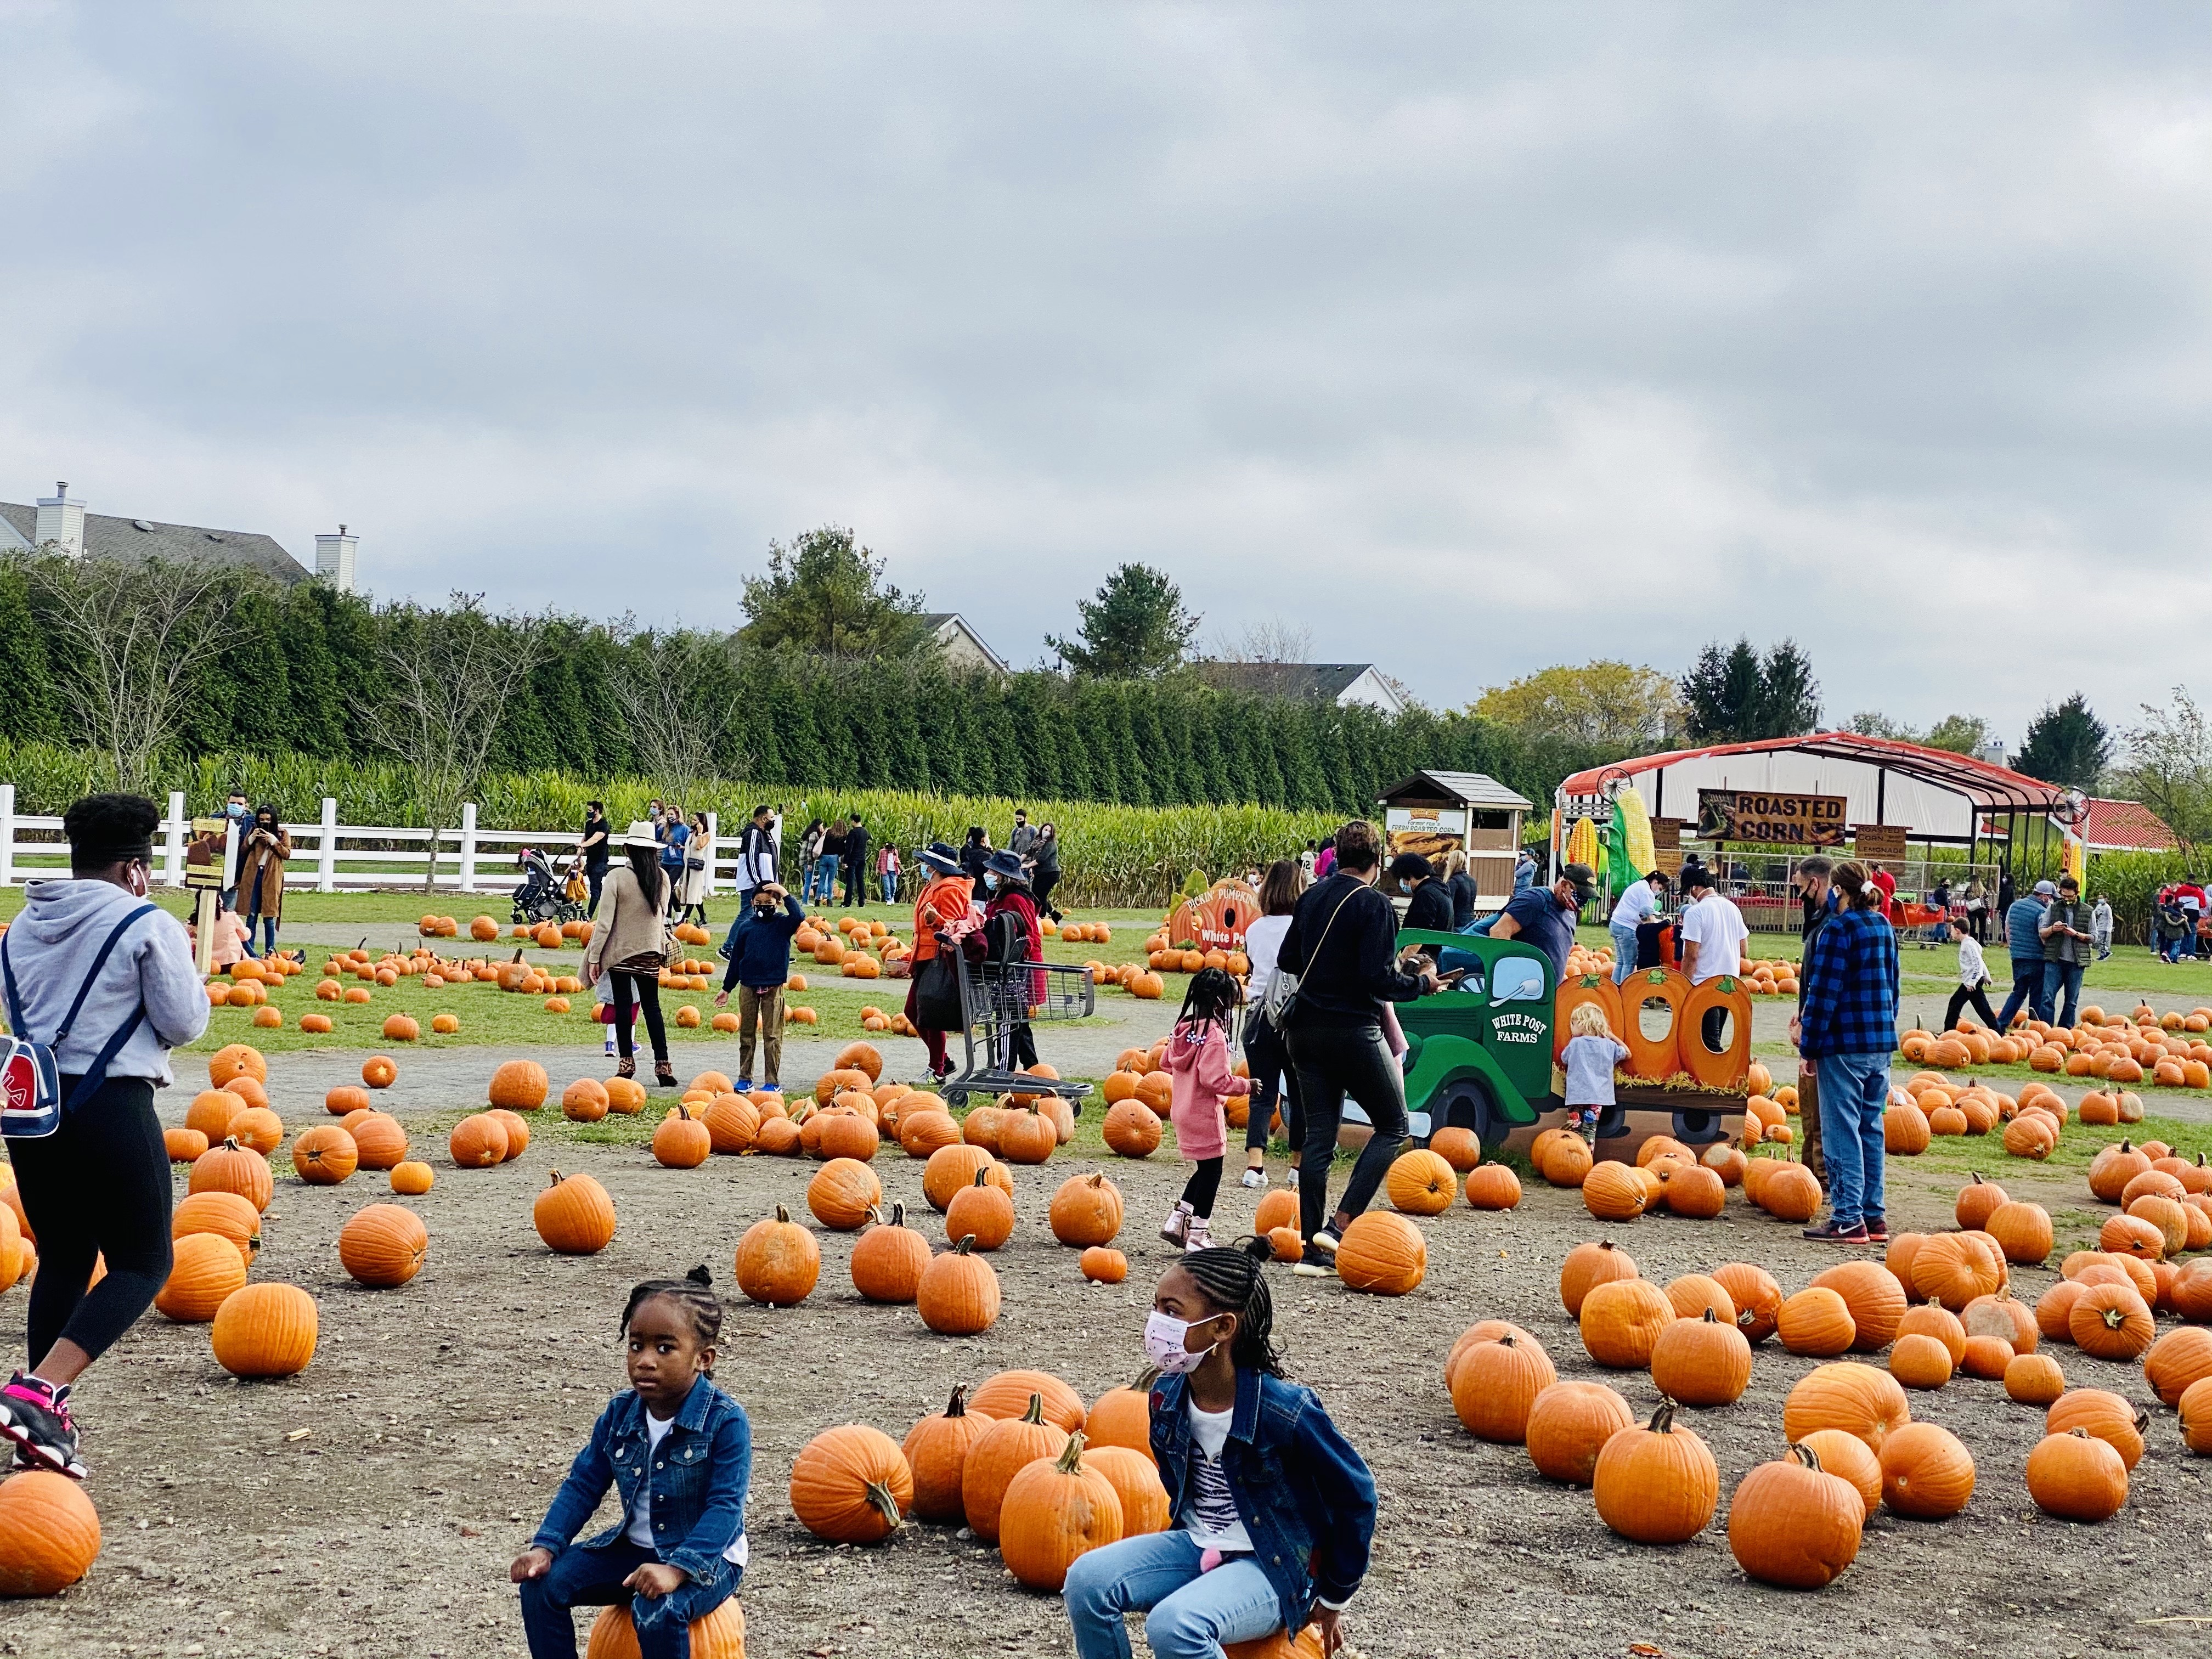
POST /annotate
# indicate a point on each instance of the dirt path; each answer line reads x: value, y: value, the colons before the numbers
x: 439, y: 1418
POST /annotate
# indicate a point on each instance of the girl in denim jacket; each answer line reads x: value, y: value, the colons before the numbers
x: 1273, y: 1512
x: 679, y: 1451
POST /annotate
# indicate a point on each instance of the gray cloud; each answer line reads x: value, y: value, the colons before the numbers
x: 1473, y: 339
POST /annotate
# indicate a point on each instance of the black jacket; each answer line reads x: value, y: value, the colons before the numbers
x: 1431, y: 907
x: 1352, y: 972
x: 856, y: 849
x: 1463, y: 900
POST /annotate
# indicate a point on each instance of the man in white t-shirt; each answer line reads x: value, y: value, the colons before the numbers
x: 1638, y: 902
x: 1712, y: 933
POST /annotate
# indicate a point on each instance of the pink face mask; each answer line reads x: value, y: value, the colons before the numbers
x: 1165, y: 1345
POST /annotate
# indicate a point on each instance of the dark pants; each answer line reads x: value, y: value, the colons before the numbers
x: 644, y: 991
x: 1041, y: 886
x: 1204, y: 1185
x: 2059, y: 976
x: 2026, y: 991
x: 597, y: 875
x: 856, y: 885
x: 1268, y: 1059
x: 933, y: 1042
x: 1021, y: 1045
x: 1713, y: 1028
x: 1978, y: 996
x: 582, y: 1578
x: 1334, y: 1061
x: 98, y: 1185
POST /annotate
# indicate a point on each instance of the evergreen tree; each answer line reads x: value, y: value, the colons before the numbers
x: 2066, y: 744
x: 1133, y: 628
x: 27, y: 714
x: 825, y: 594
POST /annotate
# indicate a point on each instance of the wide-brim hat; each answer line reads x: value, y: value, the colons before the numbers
x: 640, y: 834
x: 1006, y: 865
x: 940, y: 858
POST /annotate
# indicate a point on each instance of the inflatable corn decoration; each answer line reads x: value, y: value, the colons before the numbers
x: 1631, y: 825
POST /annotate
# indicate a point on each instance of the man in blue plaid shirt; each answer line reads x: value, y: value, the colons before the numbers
x: 1846, y: 1024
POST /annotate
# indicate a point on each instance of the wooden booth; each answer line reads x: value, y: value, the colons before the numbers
x: 1433, y: 813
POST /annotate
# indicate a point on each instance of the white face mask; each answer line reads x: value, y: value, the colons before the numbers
x: 1164, y: 1343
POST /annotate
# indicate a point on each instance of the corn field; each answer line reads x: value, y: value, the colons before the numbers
x: 1110, y: 855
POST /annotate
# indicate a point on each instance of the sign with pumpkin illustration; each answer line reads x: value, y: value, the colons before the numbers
x: 1215, y: 921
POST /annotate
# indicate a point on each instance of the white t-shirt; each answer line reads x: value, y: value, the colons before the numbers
x: 1209, y: 1511
x: 1716, y: 927
x: 640, y: 1530
x: 1973, y: 969
x: 1263, y: 942
x: 1637, y: 904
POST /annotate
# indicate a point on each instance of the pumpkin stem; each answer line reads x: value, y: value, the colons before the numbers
x: 984, y: 1175
x: 1804, y: 1455
x: 875, y: 1217
x: 1711, y: 1318
x: 781, y: 1213
x: 1036, y: 1413
x: 230, y: 1143
x: 958, y: 1405
x: 553, y: 1178
x: 880, y: 1496
x: 967, y: 1243
x: 898, y: 1215
x: 1071, y: 1460
x: 1663, y: 1420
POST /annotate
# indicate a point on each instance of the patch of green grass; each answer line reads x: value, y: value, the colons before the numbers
x: 2076, y: 1146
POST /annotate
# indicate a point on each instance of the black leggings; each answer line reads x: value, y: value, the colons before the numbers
x: 1041, y: 886
x: 645, y: 989
x: 1977, y: 994
x: 97, y: 1186
x: 1204, y: 1183
x: 1269, y: 1059
x: 1333, y: 1061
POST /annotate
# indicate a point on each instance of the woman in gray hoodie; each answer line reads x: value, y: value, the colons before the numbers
x: 100, y: 1183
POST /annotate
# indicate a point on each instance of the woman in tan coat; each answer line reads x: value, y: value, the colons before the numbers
x: 629, y: 944
x: 262, y: 855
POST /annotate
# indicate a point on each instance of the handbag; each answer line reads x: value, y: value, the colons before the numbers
x: 30, y: 1103
x: 1281, y: 1002
x: 937, y: 1004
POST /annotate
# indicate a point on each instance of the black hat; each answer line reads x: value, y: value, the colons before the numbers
x: 1007, y: 867
x: 1696, y: 875
x: 1584, y: 878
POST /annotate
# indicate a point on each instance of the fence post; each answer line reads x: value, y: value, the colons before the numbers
x: 172, y: 855
x: 468, y: 847
x: 326, y: 880
x: 6, y: 835
x: 714, y: 826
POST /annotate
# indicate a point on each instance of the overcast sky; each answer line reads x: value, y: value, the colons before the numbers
x: 1473, y: 338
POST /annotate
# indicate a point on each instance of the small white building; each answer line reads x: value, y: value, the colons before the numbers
x: 1344, y: 684
x: 964, y: 647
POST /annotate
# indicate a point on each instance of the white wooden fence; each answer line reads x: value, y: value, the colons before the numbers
x: 331, y: 857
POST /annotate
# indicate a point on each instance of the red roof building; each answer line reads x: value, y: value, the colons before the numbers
x: 2126, y: 826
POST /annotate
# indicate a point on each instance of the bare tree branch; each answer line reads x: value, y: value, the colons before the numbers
x: 1271, y: 638
x: 451, y: 673
x: 675, y: 723
x: 136, y: 636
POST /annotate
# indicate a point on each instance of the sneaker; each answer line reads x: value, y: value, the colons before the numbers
x: 743, y: 1085
x: 1199, y: 1236
x: 1319, y: 1258
x: 1290, y: 1179
x: 1255, y: 1178
x: 1834, y: 1232
x: 1877, y: 1229
x: 35, y: 1416
x: 1176, y: 1227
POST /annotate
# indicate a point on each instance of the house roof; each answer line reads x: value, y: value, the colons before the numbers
x: 107, y: 538
x: 1989, y: 787
x: 937, y: 621
x: 1469, y: 788
x: 1317, y: 682
x: 2126, y: 826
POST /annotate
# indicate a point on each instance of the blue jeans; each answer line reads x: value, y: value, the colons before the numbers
x: 1192, y: 1614
x: 1854, y: 1089
x: 2061, y: 976
x: 824, y: 886
x: 268, y: 925
x: 2026, y: 992
x: 890, y: 888
x: 1624, y: 950
x: 593, y: 1577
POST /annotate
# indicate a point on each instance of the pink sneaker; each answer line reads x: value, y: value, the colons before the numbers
x: 35, y: 1416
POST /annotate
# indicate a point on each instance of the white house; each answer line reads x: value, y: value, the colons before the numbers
x: 964, y: 647
x: 1344, y: 684
x: 61, y: 521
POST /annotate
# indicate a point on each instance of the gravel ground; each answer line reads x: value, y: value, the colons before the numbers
x: 369, y: 1506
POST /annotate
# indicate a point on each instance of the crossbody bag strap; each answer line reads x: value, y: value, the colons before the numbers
x: 1325, y: 927
x: 99, y: 961
x: 14, y: 1001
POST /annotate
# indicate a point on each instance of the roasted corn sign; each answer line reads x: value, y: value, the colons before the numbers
x: 1771, y: 820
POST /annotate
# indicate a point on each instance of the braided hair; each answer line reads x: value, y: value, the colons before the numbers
x: 1230, y: 1277
x: 694, y: 1294
x: 1212, y: 994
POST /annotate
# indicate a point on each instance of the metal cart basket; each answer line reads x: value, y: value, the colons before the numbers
x: 994, y: 998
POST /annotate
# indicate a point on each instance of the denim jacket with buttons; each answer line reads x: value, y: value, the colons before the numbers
x: 700, y: 1475
x: 1306, y: 1496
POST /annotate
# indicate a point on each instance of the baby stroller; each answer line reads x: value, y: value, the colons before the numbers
x: 540, y: 898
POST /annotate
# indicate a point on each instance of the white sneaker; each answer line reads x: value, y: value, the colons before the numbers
x: 1255, y: 1178
x: 1320, y: 1260
x: 1290, y: 1179
x: 1200, y: 1235
x: 1176, y: 1227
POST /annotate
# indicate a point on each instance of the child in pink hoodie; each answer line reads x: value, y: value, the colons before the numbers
x: 1198, y: 1063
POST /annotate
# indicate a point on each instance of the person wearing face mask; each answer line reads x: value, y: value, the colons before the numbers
x: 107, y: 980
x: 1813, y: 881
x: 238, y: 813
x: 1011, y: 934
x: 946, y: 901
x: 263, y: 849
x: 759, y: 950
x: 1272, y: 1512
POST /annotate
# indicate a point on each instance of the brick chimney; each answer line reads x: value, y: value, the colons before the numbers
x: 334, y: 558
x: 61, y: 521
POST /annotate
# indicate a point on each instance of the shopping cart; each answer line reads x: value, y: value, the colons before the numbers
x: 994, y: 998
